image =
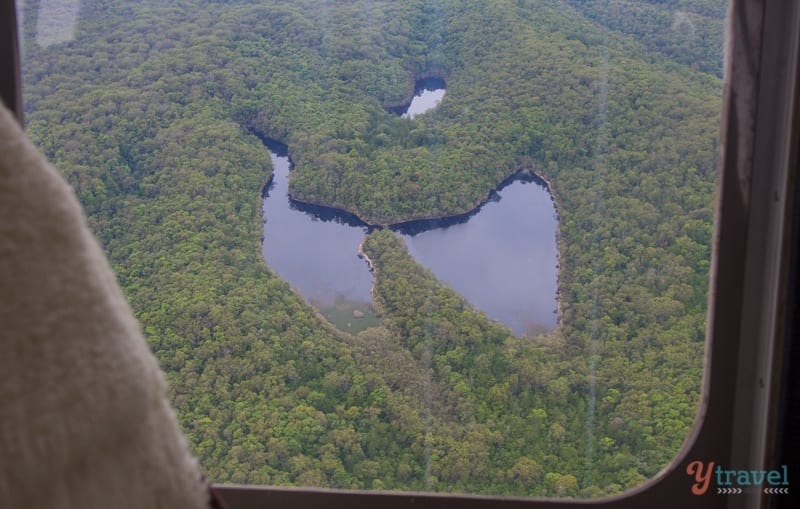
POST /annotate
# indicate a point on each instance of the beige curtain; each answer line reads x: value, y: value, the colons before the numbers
x: 84, y: 419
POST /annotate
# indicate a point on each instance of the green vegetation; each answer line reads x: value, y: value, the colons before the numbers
x: 152, y: 114
x: 690, y: 32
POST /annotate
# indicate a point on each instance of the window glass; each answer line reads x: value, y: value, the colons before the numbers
x: 501, y: 291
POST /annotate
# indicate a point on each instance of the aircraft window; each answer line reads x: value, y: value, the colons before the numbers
x: 611, y: 108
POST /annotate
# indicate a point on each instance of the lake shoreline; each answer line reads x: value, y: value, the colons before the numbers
x: 522, y: 173
x: 372, y: 269
x: 526, y: 172
x: 413, y: 87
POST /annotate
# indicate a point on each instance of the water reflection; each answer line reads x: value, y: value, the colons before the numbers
x: 502, y: 258
x: 428, y: 93
x: 56, y: 21
x: 316, y: 251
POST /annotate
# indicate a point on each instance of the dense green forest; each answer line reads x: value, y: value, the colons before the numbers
x: 153, y: 112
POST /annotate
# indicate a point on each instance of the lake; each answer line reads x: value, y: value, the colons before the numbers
x: 501, y: 257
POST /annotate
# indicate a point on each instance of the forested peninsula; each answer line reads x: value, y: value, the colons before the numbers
x: 153, y: 112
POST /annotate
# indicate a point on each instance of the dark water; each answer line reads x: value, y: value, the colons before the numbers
x: 501, y: 257
x: 316, y: 251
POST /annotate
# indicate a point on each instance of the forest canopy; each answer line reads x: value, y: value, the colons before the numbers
x: 153, y: 112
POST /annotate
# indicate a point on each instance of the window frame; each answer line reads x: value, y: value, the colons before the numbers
x: 745, y: 396
x: 10, y: 77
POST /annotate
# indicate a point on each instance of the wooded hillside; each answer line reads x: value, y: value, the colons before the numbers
x: 152, y: 113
